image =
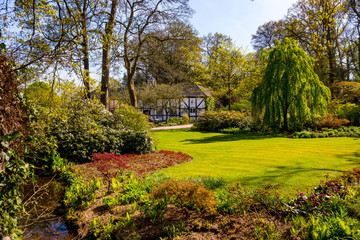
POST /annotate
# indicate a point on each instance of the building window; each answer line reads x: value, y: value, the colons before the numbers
x: 146, y: 112
x: 159, y: 113
x: 193, y: 110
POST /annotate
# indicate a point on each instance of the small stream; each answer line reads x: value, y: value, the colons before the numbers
x: 46, y: 221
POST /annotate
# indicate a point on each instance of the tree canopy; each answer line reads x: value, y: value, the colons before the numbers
x: 291, y: 92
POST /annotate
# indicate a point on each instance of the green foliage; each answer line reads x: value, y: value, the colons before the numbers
x: 133, y: 190
x: 131, y: 118
x: 291, y: 93
x: 266, y: 231
x: 317, y: 227
x: 304, y: 134
x: 175, y: 120
x: 239, y: 199
x: 209, y: 103
x: 109, y: 202
x: 185, y: 119
x: 349, y: 111
x: 242, y: 106
x: 58, y: 164
x: 235, y: 130
x: 340, y: 132
x: 154, y: 209
x: 14, y: 172
x: 230, y: 69
x: 85, y: 127
x: 211, y: 183
x: 101, y: 230
x: 42, y: 94
x: 79, y: 194
x: 214, y: 121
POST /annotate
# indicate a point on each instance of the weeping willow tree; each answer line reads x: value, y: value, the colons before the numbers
x: 291, y: 93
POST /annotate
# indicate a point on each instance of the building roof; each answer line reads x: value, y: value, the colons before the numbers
x: 188, y: 91
x: 196, y: 91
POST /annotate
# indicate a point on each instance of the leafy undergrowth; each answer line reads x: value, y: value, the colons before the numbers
x: 156, y: 207
x: 133, y: 205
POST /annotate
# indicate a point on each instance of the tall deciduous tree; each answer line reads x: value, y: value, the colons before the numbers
x: 169, y: 55
x: 228, y: 67
x: 317, y: 25
x: 267, y: 34
x: 291, y: 92
x: 139, y: 19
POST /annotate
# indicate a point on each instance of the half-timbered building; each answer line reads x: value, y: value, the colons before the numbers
x: 193, y: 104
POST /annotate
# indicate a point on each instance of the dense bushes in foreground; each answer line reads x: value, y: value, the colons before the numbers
x: 214, y: 121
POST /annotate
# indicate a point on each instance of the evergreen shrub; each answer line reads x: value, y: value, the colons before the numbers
x: 214, y: 121
x: 85, y: 127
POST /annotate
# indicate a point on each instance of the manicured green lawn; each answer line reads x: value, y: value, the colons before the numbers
x: 255, y: 160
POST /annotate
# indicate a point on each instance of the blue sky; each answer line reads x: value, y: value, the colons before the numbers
x: 238, y: 19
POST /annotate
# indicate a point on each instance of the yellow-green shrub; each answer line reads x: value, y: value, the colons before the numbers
x: 185, y: 193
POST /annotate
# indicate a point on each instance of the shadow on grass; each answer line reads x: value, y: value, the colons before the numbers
x: 279, y: 173
x: 353, y: 158
x: 228, y: 138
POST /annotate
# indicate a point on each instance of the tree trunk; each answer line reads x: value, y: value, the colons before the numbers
x: 131, y: 88
x: 85, y: 51
x: 229, y: 93
x: 285, y: 116
x: 358, y: 45
x: 331, y: 58
x: 86, y: 67
x: 105, y: 69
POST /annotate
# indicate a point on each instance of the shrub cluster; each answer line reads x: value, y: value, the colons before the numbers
x: 341, y: 132
x: 349, y: 111
x: 330, y: 121
x: 185, y: 193
x: 85, y: 127
x: 328, y: 211
x: 214, y: 121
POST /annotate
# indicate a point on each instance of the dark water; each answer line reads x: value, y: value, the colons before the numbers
x: 49, y: 229
x: 46, y: 211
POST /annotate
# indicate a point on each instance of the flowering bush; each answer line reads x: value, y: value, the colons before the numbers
x: 319, y: 199
x: 215, y: 121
